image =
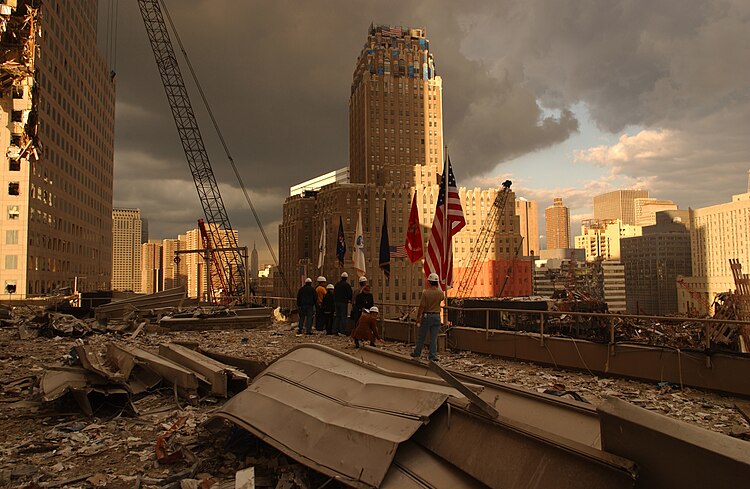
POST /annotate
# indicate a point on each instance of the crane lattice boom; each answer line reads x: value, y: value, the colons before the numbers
x: 230, y: 262
x: 484, y: 241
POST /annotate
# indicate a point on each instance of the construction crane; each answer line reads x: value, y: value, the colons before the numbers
x: 485, y: 239
x: 696, y: 296
x: 229, y: 263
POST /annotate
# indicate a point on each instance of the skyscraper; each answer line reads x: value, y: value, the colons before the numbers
x: 557, y: 223
x: 618, y: 204
x: 528, y: 216
x: 126, y: 249
x: 254, y: 263
x: 56, y: 130
x: 395, y: 152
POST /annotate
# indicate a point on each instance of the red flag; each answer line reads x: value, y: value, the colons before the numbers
x: 448, y: 212
x: 413, y: 243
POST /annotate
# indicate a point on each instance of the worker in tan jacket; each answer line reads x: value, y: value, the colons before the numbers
x: 428, y: 317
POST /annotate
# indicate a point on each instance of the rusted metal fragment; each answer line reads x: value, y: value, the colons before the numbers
x: 118, y: 309
x: 125, y: 356
x: 330, y: 412
x: 672, y: 453
x: 503, y: 453
x: 562, y: 417
x: 219, y: 375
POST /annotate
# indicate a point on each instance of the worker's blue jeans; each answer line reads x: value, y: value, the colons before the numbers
x: 430, y: 323
x: 306, y: 318
x: 342, y: 317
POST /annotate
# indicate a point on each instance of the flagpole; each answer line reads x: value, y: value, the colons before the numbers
x: 446, y: 231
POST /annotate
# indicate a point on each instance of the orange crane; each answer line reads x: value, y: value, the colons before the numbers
x: 697, y: 297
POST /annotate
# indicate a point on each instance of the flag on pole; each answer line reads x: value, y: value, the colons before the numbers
x: 398, y: 252
x: 413, y: 245
x: 341, y: 243
x: 449, y: 219
x: 358, y: 254
x: 385, y: 247
x: 322, y: 247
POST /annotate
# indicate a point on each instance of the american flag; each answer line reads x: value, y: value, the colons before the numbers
x: 398, y: 252
x: 439, y: 258
x: 392, y: 31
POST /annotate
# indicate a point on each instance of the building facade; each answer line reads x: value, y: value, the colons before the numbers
x: 126, y: 249
x: 615, y: 295
x: 654, y: 261
x: 601, y: 239
x: 396, y: 152
x: 152, y: 271
x: 557, y: 223
x: 618, y: 204
x: 57, y: 132
x: 717, y: 233
x: 528, y: 219
x: 646, y: 209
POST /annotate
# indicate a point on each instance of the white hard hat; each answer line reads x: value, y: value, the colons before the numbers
x: 344, y: 275
x: 362, y: 279
x: 321, y: 279
x: 433, y: 278
x: 330, y: 287
x: 373, y: 310
x: 308, y: 280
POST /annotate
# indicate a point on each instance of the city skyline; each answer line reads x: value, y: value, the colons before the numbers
x: 506, y: 115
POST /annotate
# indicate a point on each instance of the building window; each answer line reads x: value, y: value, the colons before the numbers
x: 14, y: 165
x: 11, y: 262
x: 11, y: 236
x: 13, y: 212
x: 14, y: 188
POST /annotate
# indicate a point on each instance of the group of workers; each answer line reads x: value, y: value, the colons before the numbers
x: 328, y: 306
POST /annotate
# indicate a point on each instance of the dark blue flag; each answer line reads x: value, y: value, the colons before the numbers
x: 385, y: 247
x: 341, y: 243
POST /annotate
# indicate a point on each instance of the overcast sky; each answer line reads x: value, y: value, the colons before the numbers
x: 567, y: 98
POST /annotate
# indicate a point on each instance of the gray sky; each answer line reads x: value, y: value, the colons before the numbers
x: 566, y: 97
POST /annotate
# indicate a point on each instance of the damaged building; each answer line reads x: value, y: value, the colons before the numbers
x: 57, y: 133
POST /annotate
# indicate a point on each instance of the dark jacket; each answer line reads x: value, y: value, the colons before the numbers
x: 364, y: 300
x: 306, y: 296
x: 329, y: 305
x: 342, y: 291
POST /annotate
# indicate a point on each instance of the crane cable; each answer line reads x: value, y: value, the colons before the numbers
x: 224, y: 144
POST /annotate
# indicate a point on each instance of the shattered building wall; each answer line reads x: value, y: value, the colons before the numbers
x: 57, y: 134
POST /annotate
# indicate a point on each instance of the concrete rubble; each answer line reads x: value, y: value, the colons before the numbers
x: 55, y: 444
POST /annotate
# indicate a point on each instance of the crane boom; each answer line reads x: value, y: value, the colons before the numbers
x: 484, y: 240
x: 230, y: 263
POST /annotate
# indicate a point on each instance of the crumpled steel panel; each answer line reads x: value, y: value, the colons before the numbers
x: 333, y: 413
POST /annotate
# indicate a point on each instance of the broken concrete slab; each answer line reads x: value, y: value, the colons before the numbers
x: 218, y: 374
x: 118, y: 309
x: 126, y: 357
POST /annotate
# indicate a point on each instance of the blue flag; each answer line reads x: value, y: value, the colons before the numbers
x: 341, y: 243
x: 385, y: 247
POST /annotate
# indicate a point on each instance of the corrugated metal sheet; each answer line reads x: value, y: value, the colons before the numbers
x: 341, y: 417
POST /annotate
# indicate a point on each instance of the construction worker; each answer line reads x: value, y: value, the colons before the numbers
x: 342, y: 295
x: 367, y: 327
x: 361, y: 299
x: 320, y: 292
x: 428, y: 317
x: 329, y: 309
x: 306, y: 305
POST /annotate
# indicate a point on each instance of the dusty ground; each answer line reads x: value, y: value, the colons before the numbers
x: 46, y: 444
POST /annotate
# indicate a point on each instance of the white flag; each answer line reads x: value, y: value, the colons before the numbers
x: 359, y: 247
x: 322, y: 247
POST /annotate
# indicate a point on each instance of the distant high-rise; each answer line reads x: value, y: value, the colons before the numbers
x: 126, y: 249
x: 528, y: 215
x: 601, y: 239
x: 151, y: 267
x: 254, y: 263
x: 395, y: 109
x: 646, y: 209
x: 57, y: 105
x: 618, y: 204
x: 557, y: 222
x: 395, y: 153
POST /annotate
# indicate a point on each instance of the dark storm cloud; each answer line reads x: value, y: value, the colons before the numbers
x: 278, y: 76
